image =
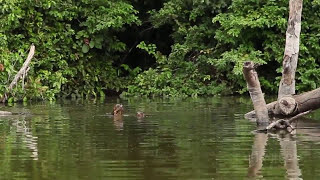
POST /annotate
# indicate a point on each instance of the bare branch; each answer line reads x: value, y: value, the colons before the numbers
x: 22, y: 71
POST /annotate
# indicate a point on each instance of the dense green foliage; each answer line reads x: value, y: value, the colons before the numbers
x: 76, y: 45
x: 213, y: 39
x: 167, y: 48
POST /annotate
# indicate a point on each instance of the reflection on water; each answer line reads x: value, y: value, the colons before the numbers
x: 118, y: 122
x: 28, y: 139
x: 288, y: 151
x: 257, y: 155
x: 177, y: 139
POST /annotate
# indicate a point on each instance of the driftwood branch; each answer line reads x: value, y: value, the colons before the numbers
x: 23, y: 70
x: 22, y: 73
x: 282, y: 124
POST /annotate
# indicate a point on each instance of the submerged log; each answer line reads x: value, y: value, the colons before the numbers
x: 256, y: 94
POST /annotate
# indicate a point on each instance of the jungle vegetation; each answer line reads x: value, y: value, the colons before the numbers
x: 165, y: 48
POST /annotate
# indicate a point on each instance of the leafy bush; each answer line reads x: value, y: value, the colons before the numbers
x: 76, y: 45
x: 187, y: 70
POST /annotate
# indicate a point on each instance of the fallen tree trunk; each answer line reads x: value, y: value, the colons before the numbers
x: 303, y: 103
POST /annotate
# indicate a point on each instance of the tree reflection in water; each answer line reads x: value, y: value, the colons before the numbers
x: 257, y: 154
x: 27, y: 137
x: 308, y: 128
x: 289, y: 153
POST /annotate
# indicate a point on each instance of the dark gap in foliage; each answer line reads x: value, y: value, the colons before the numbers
x: 135, y: 57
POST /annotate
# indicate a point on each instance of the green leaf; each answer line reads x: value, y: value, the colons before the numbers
x: 98, y: 43
x: 98, y: 46
x: 85, y: 48
x: 91, y: 44
x: 11, y: 100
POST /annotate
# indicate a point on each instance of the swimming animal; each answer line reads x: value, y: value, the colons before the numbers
x: 140, y: 115
x: 117, y: 110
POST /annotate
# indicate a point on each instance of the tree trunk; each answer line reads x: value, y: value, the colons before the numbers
x: 21, y: 74
x: 291, y: 52
x: 303, y: 103
x: 286, y: 103
x: 256, y: 95
x: 289, y: 105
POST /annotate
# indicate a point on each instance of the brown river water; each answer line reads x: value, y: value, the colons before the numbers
x: 204, y: 138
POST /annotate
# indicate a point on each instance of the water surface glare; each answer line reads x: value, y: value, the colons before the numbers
x: 205, y: 138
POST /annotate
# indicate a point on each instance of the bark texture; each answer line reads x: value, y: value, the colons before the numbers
x: 287, y: 104
x: 256, y: 94
x: 290, y: 59
x: 307, y: 101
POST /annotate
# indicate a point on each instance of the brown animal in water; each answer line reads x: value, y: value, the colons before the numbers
x: 117, y: 110
x: 140, y: 115
x: 117, y: 116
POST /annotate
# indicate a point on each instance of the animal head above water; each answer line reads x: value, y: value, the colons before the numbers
x: 140, y: 114
x: 117, y: 110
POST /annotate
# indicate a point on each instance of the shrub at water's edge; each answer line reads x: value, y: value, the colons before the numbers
x: 78, y: 49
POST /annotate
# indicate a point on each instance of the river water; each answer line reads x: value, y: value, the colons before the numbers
x: 178, y: 139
